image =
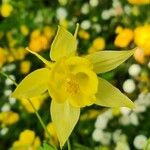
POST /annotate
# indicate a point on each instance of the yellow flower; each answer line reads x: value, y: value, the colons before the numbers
x: 6, y: 9
x: 139, y: 55
x: 25, y: 67
x: 124, y: 38
x: 9, y: 117
x: 139, y: 1
x: 142, y: 38
x: 24, y: 30
x: 52, y: 131
x: 84, y: 34
x: 48, y: 32
x: 27, y: 141
x: 37, y: 102
x: 99, y: 43
x: 72, y: 82
x: 2, y: 56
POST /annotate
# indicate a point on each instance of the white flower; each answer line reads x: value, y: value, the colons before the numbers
x: 134, y: 70
x: 101, y: 122
x: 122, y: 146
x: 7, y: 92
x: 105, y: 15
x: 94, y: 3
x: 3, y: 131
x: 127, y: 9
x: 97, y: 135
x: 105, y: 138
x: 5, y: 107
x: 140, y: 141
x: 115, y: 3
x: 12, y: 100
x: 134, y: 119
x: 124, y: 120
x: 86, y: 24
x: 8, y: 81
x: 61, y: 13
x: 85, y: 8
x: 116, y: 135
x: 125, y: 110
x: 97, y: 27
x: 129, y: 86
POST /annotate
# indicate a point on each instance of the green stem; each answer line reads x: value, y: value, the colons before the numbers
x: 76, y: 31
x: 36, y: 112
x: 68, y: 144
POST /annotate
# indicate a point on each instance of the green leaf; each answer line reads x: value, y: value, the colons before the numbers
x: 110, y: 96
x: 64, y: 117
x: 104, y: 61
x: 64, y: 44
x: 33, y: 85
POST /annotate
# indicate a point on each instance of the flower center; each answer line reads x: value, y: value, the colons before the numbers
x: 71, y: 86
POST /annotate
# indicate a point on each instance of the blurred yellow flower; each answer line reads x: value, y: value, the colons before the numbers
x: 24, y: 30
x: 9, y: 117
x: 25, y: 67
x: 118, y: 30
x: 139, y: 1
x: 39, y: 40
x: 27, y: 141
x: 2, y: 56
x: 99, y: 43
x: 139, y: 55
x: 84, y: 34
x: 49, y: 32
x: 124, y: 37
x: 52, y: 131
x: 142, y: 38
x: 6, y: 9
x: 37, y: 102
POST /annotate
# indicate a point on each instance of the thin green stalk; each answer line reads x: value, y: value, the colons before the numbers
x: 68, y: 144
x: 76, y: 31
x: 36, y: 112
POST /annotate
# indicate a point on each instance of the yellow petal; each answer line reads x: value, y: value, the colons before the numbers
x: 64, y: 44
x: 110, y: 96
x: 33, y: 85
x: 104, y: 61
x: 64, y: 117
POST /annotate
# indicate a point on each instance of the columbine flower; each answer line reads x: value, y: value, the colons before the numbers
x: 72, y: 82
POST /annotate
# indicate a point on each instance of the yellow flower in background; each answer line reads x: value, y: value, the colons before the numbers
x: 99, y: 43
x: 3, y: 56
x: 72, y: 82
x: 48, y: 32
x: 139, y: 1
x: 6, y: 9
x: 24, y: 30
x: 9, y: 117
x: 118, y: 30
x: 124, y: 37
x: 37, y: 102
x: 139, y: 55
x: 25, y: 67
x: 142, y: 38
x: 52, y: 131
x: 84, y: 34
x: 27, y: 141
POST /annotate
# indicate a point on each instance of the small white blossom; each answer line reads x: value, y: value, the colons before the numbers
x: 5, y: 107
x: 7, y: 92
x: 125, y: 110
x: 97, y: 135
x: 105, y: 138
x: 134, y: 70
x: 94, y: 3
x: 116, y: 136
x: 12, y: 100
x: 140, y: 141
x: 124, y: 120
x: 129, y: 86
x: 86, y: 24
x: 122, y: 146
x: 105, y: 15
x: 101, y: 122
x: 61, y: 13
x: 3, y: 131
x: 134, y: 119
x: 85, y: 8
